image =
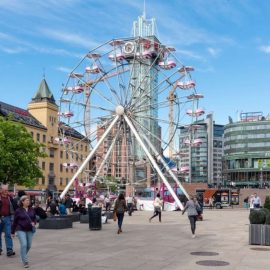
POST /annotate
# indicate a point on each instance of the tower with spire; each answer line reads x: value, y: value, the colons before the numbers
x: 144, y: 77
x: 44, y: 108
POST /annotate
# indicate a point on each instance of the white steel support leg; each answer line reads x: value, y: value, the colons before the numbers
x: 155, y: 165
x: 106, y: 156
x: 91, y: 154
x: 159, y: 158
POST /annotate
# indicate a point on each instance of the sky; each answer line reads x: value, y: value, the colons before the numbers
x: 226, y: 41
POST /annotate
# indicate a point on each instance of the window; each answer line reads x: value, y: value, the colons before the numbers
x: 61, y: 181
x: 51, y: 152
x: 61, y: 154
x: 51, y: 168
x: 43, y: 165
x: 32, y: 134
x: 66, y: 181
x: 51, y: 180
x: 43, y: 180
x: 86, y: 148
x: 44, y: 138
x: 38, y: 137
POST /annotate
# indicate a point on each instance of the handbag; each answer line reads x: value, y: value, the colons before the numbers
x: 198, y: 209
x: 114, y: 216
x: 33, y: 227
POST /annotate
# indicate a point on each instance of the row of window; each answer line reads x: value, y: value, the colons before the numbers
x: 251, y: 127
x: 246, y: 136
x: 43, y: 136
x: 246, y: 145
x: 51, y: 181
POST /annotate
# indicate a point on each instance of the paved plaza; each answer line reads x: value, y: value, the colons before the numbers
x: 147, y: 246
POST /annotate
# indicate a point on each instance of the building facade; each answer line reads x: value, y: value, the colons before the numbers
x: 203, y: 159
x: 247, y: 151
x: 41, y: 120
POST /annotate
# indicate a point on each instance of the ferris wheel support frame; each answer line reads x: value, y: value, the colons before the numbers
x: 155, y: 165
x: 106, y: 156
x: 91, y: 154
x: 160, y: 158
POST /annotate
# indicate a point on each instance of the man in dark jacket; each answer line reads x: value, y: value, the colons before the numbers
x: 6, y: 212
x: 68, y: 204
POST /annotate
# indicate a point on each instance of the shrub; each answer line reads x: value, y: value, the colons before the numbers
x: 267, y: 219
x: 266, y: 211
x: 267, y: 203
x: 257, y: 217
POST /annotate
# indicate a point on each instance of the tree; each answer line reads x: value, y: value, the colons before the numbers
x: 18, y: 154
x: 267, y: 202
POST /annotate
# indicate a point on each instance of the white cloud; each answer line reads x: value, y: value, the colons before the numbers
x: 190, y: 54
x: 71, y: 38
x: 12, y: 50
x: 64, y: 69
x: 212, y: 51
x: 265, y: 49
x: 15, y: 45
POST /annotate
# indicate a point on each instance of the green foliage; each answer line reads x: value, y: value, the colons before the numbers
x: 18, y: 155
x: 257, y: 217
x: 267, y: 219
x: 267, y: 203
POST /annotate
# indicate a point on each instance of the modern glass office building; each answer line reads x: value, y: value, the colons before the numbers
x: 247, y: 151
x: 204, y: 160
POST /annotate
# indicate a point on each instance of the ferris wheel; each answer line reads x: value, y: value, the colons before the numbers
x: 128, y: 97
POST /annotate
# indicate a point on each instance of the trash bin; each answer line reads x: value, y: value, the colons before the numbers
x: 94, y: 217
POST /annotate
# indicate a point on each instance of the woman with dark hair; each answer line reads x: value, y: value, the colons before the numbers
x: 157, y: 208
x: 193, y: 207
x: 119, y: 210
x: 24, y: 225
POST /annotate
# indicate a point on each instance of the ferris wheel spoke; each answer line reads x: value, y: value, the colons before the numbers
x: 148, y: 132
x: 121, y: 85
x: 143, y: 97
x: 107, y: 83
x: 108, y: 154
x: 145, y: 76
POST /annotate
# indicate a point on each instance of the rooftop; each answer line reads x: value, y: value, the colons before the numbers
x: 20, y: 115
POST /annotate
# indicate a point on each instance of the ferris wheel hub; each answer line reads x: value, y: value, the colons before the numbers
x: 119, y: 110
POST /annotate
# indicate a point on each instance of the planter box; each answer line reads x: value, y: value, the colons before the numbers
x: 266, y: 232
x: 74, y: 217
x: 84, y: 219
x: 259, y: 234
x: 55, y: 223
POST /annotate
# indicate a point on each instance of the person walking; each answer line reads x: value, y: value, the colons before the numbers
x: 192, y: 207
x: 107, y: 203
x: 24, y: 226
x: 7, y: 208
x: 119, y: 211
x: 157, y: 208
x: 256, y: 201
x: 68, y: 204
x: 130, y: 204
x: 211, y: 202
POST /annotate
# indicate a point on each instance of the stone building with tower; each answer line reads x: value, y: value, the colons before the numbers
x: 41, y: 120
